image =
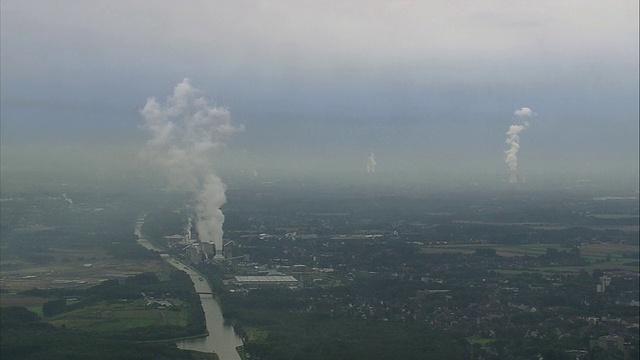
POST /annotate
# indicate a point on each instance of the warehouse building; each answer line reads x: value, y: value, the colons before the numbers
x: 265, y: 281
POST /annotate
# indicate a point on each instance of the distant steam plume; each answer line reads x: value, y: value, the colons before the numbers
x: 67, y: 199
x: 371, y: 164
x: 524, y: 112
x: 513, y: 139
x: 186, y: 135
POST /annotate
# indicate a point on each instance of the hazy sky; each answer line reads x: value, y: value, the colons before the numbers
x: 430, y: 86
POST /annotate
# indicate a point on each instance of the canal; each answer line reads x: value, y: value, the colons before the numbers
x: 222, y: 339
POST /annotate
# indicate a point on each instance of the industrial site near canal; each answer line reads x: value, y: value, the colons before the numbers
x: 325, y: 274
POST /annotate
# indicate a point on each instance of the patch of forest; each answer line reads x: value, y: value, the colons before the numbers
x: 286, y: 331
x: 178, y: 286
x: 26, y: 336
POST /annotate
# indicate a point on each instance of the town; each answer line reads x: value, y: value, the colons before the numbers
x: 514, y: 272
x: 514, y: 275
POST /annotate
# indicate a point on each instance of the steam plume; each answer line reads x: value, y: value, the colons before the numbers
x: 67, y: 199
x: 187, y: 230
x: 524, y: 112
x: 186, y: 135
x: 513, y: 139
x: 371, y: 164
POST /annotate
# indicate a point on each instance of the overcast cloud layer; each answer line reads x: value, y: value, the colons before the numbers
x: 430, y: 86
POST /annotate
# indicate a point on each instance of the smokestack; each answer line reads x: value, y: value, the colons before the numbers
x: 186, y: 135
x: 513, y: 139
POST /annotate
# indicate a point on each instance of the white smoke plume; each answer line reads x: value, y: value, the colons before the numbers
x: 524, y: 112
x: 513, y: 139
x: 67, y: 199
x: 186, y: 135
x: 187, y: 230
x: 371, y: 164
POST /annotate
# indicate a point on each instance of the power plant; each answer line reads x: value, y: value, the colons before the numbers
x: 186, y: 134
x: 197, y: 251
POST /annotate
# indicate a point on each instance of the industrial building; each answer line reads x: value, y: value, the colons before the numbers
x: 173, y: 240
x: 265, y: 281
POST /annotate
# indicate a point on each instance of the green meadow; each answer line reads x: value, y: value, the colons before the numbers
x: 105, y: 317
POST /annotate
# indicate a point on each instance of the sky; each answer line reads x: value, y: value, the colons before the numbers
x: 430, y: 87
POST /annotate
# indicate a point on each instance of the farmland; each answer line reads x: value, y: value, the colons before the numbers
x: 113, y: 317
x: 599, y: 256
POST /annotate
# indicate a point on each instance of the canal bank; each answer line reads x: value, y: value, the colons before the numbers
x: 222, y: 339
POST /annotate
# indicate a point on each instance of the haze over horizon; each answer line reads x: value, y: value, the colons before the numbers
x: 429, y: 87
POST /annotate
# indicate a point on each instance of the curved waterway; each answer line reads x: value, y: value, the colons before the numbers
x: 222, y: 339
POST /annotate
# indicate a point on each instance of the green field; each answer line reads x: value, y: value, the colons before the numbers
x: 114, y: 317
x: 502, y: 250
x: 599, y: 256
x: 12, y: 262
x: 37, y: 310
x: 613, y: 216
x: 255, y: 334
x: 480, y: 341
x: 322, y: 280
